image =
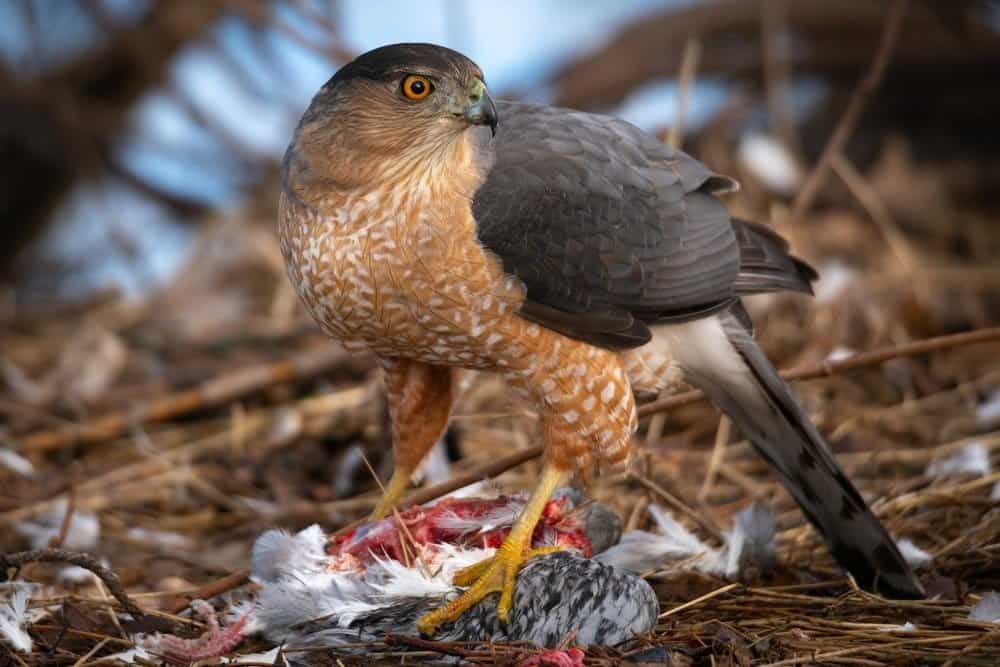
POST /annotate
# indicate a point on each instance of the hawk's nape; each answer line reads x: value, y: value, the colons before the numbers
x: 621, y: 242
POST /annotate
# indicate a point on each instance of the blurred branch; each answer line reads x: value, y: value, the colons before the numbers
x: 833, y: 39
x: 689, y: 68
x: 220, y: 390
x: 855, y: 107
x: 48, y: 129
x: 180, y: 205
x: 86, y: 561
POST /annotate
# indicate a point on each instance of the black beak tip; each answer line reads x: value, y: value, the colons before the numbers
x: 489, y: 117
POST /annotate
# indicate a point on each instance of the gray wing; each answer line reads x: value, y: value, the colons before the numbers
x: 609, y: 229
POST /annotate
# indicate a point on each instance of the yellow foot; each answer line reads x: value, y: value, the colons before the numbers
x: 496, y: 574
x: 392, y: 493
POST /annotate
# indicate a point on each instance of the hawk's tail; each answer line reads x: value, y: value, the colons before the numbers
x: 719, y: 355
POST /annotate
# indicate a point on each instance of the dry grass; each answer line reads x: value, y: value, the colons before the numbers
x: 213, y: 410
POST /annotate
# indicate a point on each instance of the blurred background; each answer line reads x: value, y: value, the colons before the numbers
x: 160, y: 383
x: 128, y: 125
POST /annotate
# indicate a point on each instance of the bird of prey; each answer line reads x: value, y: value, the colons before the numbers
x: 577, y: 256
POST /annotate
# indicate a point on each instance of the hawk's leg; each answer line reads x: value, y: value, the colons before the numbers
x: 420, y: 398
x: 499, y: 573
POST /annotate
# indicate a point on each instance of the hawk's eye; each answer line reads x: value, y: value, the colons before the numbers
x: 417, y: 87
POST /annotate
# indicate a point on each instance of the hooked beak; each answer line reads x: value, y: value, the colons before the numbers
x: 480, y: 109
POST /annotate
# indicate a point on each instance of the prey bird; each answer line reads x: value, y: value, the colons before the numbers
x: 577, y: 256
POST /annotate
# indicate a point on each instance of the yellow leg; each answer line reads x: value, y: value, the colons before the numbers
x: 394, y: 491
x: 499, y: 573
x: 420, y: 400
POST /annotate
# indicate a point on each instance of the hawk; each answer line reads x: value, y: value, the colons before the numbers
x: 575, y: 255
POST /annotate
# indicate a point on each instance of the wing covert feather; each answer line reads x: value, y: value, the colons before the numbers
x: 609, y: 229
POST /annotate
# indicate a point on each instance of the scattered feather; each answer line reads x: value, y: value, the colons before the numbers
x: 839, y: 353
x: 770, y: 162
x: 132, y: 655
x: 988, y: 411
x: 913, y: 554
x: 14, y: 461
x: 834, y: 278
x: 905, y: 627
x: 74, y: 575
x: 750, y: 545
x: 14, y: 618
x: 161, y: 538
x: 344, y: 477
x: 269, y: 657
x: 277, y: 553
x: 83, y: 533
x: 987, y: 609
x: 973, y: 459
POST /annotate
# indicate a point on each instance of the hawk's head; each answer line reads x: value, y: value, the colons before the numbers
x: 396, y: 102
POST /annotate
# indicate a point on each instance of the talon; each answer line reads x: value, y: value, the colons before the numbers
x: 498, y: 573
x: 492, y: 575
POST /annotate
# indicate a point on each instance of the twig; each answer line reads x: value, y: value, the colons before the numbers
x: 816, y: 657
x: 517, y: 458
x: 680, y: 506
x: 775, y: 62
x: 689, y: 67
x: 209, y: 590
x: 482, y: 472
x: 822, y: 369
x: 828, y: 368
x: 83, y: 560
x: 856, y: 105
x: 698, y: 600
x: 448, y: 648
x: 879, y: 212
x: 212, y: 393
x: 718, y: 454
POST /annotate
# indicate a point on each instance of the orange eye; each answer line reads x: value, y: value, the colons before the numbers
x: 417, y: 87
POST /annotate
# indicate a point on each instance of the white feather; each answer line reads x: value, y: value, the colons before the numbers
x: 768, y: 159
x: 988, y: 412
x: 751, y: 541
x: 639, y: 551
x: 74, y: 575
x: 834, y: 278
x: 161, y: 538
x: 276, y: 553
x: 498, y: 517
x: 14, y: 617
x: 987, y: 609
x: 130, y: 656
x: 913, y: 554
x: 973, y: 459
x: 14, y: 461
x: 267, y: 657
x: 297, y: 585
x: 905, y: 627
x: 83, y: 533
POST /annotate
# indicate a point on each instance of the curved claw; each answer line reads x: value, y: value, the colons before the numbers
x: 500, y: 572
x: 492, y: 575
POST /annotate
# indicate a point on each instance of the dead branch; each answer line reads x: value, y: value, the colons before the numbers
x: 212, y: 393
x: 110, y: 579
x: 859, y: 100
